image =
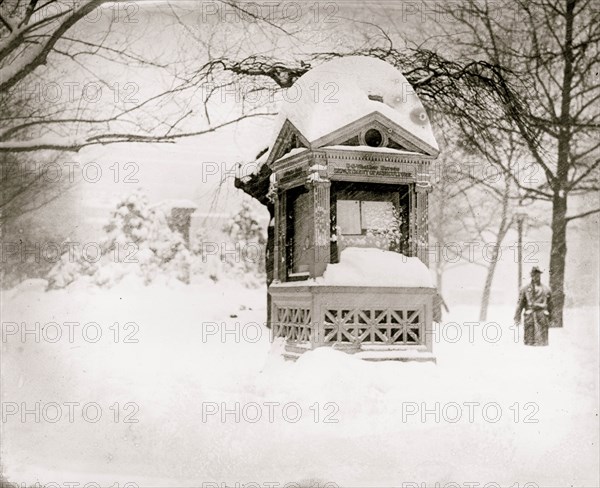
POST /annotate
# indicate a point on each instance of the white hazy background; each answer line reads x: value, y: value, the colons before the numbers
x: 173, y: 369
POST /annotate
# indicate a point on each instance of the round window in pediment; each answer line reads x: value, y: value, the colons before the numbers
x: 374, y: 138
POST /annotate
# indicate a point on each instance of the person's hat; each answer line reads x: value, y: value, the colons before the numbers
x: 535, y: 269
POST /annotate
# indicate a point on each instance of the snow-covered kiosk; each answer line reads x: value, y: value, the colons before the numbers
x: 346, y: 178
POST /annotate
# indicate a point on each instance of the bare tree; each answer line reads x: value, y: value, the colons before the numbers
x: 36, y: 37
x: 39, y: 40
x: 531, y: 76
x: 26, y: 186
x: 491, y: 203
x: 545, y: 55
x: 471, y: 204
x: 448, y: 203
x: 488, y: 220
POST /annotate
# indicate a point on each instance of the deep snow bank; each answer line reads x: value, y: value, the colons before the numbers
x: 202, y: 351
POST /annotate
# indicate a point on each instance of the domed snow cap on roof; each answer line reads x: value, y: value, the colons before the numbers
x: 343, y: 90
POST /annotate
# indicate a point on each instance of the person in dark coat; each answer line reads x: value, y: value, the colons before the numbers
x: 534, y: 300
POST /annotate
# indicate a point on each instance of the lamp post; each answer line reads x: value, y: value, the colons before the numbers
x: 520, y: 215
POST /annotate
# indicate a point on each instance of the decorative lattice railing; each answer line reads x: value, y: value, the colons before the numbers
x: 394, y: 327
x: 293, y: 324
x: 352, y: 318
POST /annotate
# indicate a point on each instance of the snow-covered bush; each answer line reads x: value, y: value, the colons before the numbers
x: 247, y: 246
x: 71, y: 266
x: 390, y: 229
x: 138, y: 242
x: 206, y: 259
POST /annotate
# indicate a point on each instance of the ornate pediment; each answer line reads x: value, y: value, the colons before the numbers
x: 289, y: 138
x: 375, y: 130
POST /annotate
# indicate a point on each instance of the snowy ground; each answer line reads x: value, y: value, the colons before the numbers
x: 360, y: 424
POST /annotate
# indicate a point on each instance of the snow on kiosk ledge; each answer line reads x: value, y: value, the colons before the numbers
x: 373, y: 267
x: 376, y: 267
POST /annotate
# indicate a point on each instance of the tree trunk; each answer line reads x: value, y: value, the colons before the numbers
x: 497, y: 251
x: 487, y: 288
x: 558, y: 252
x: 558, y: 256
x: 438, y: 302
x: 485, y: 297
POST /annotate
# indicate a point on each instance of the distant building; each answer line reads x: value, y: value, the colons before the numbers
x: 179, y: 216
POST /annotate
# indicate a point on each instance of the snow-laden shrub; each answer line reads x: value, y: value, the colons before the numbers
x: 71, y: 266
x: 247, y: 245
x: 390, y: 229
x: 138, y: 242
x: 206, y: 257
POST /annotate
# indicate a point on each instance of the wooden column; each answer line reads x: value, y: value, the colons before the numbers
x: 413, y: 216
x: 319, y: 188
x: 279, y: 271
x: 422, y: 223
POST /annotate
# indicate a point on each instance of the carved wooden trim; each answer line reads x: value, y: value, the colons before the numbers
x: 353, y: 318
x: 287, y: 130
x: 402, y: 136
x: 389, y: 326
x: 293, y: 324
x: 422, y: 227
x: 320, y: 193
